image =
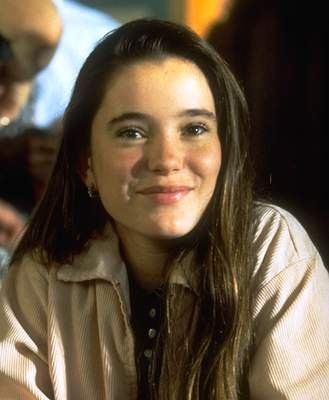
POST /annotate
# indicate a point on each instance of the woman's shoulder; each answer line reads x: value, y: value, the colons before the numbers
x: 280, y: 242
x: 290, y: 310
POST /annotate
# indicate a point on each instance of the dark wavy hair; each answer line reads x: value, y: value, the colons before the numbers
x: 211, y: 361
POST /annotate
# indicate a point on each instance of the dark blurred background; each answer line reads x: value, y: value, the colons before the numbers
x: 279, y: 52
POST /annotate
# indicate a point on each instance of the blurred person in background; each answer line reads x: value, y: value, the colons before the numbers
x: 43, y: 43
x: 278, y: 51
x: 12, y: 224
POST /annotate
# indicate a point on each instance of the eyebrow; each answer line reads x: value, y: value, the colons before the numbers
x: 127, y: 116
x: 198, y: 112
x: 193, y: 112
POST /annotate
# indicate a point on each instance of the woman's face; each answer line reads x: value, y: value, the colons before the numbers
x: 155, y: 150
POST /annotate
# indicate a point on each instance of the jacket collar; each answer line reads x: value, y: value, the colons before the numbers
x: 102, y: 260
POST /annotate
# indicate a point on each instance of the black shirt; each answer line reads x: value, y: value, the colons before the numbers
x: 147, y: 312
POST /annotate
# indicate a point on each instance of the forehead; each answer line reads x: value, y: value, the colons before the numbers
x: 158, y: 82
x: 162, y: 66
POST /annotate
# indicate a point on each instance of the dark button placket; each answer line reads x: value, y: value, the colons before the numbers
x: 146, y: 319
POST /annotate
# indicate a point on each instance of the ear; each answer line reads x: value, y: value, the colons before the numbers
x: 85, y: 171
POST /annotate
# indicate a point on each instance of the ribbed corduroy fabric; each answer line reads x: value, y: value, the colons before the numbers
x: 65, y: 332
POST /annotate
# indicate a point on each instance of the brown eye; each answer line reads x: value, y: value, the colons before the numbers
x: 130, y: 134
x: 195, y: 129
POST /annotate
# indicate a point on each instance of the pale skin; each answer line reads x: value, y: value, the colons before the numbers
x: 155, y: 157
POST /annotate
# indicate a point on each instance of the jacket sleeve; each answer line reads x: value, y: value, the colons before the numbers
x: 291, y: 355
x: 23, y: 333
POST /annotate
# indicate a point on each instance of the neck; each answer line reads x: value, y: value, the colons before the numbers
x: 146, y: 259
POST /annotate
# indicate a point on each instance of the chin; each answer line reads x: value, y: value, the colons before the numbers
x: 172, y: 231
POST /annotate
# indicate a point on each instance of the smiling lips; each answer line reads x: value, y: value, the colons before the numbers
x: 165, y: 195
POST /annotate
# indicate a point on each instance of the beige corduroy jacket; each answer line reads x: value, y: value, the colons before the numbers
x: 65, y: 332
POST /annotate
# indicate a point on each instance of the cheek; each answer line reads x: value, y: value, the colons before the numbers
x: 115, y: 167
x: 208, y: 161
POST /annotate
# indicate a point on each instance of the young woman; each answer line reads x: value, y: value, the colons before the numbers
x: 147, y: 271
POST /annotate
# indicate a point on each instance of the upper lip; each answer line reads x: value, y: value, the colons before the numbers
x: 164, y: 189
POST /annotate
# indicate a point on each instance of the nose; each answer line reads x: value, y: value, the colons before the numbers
x: 165, y: 155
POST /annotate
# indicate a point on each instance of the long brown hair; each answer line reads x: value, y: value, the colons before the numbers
x: 214, y: 363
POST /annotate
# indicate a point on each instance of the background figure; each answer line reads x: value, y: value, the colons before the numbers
x: 4, y: 262
x: 30, y: 117
x: 11, y: 225
x: 278, y: 51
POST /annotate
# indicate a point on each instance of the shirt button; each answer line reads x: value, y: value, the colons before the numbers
x: 152, y: 312
x: 152, y: 333
x: 148, y: 353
